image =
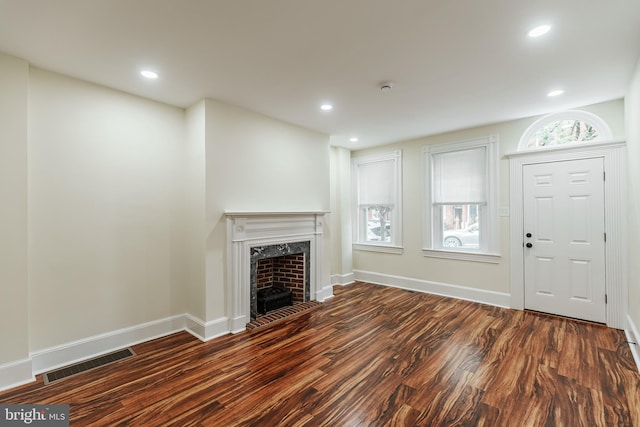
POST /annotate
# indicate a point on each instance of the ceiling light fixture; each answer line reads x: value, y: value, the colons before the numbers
x: 148, y: 74
x: 353, y: 139
x: 326, y: 107
x: 539, y: 31
x: 555, y: 92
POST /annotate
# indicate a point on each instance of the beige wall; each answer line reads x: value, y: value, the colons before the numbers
x: 412, y: 264
x: 101, y: 187
x: 188, y: 295
x: 14, y: 83
x: 255, y: 163
x: 117, y: 204
x: 632, y: 108
x: 340, y: 217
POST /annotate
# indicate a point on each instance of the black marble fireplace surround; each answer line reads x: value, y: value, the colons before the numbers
x: 272, y: 251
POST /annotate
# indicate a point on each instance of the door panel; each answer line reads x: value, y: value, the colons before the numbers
x: 564, y: 212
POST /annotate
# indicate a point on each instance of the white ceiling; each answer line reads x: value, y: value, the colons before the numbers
x: 455, y: 63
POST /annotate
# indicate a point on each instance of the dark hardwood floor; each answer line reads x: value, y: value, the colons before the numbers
x: 370, y: 356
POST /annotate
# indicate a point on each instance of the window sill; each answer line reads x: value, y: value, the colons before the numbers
x: 378, y: 248
x: 462, y: 256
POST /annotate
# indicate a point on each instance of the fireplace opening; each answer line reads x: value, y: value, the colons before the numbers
x: 280, y: 282
x: 273, y: 298
x: 279, y: 277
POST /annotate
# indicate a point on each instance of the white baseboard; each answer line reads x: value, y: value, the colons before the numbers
x: 325, y: 293
x: 75, y: 351
x: 633, y: 336
x: 16, y: 373
x: 499, y: 299
x: 238, y: 324
x: 206, y: 331
x: 343, y: 279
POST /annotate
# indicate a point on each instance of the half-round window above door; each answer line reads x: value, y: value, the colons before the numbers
x: 568, y: 127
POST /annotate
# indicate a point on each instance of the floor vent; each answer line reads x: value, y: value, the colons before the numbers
x: 87, y: 365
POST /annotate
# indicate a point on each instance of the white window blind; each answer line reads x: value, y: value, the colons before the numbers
x: 460, y: 176
x: 377, y: 183
x: 461, y: 206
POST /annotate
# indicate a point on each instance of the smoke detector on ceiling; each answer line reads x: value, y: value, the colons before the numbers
x: 386, y: 86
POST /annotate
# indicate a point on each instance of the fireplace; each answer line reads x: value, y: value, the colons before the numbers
x: 282, y: 266
x: 284, y: 242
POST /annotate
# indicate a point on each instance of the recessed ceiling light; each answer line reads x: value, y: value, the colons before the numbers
x: 539, y: 31
x: 555, y: 92
x: 326, y: 107
x: 353, y: 139
x: 148, y: 74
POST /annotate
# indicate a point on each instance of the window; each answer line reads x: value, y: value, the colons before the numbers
x: 568, y: 127
x: 377, y: 198
x: 461, y: 192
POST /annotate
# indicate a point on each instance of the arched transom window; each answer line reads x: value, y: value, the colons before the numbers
x: 569, y: 127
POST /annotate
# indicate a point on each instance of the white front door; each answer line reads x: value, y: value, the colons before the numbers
x: 564, y: 241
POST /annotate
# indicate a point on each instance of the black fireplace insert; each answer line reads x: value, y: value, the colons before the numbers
x: 272, y: 298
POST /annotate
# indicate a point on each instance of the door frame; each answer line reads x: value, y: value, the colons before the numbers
x: 613, y: 154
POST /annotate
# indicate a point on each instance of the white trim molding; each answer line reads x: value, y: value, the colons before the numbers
x: 76, y: 351
x: 613, y: 154
x: 462, y: 256
x: 633, y: 336
x: 21, y: 372
x: 206, y: 331
x: 369, y: 247
x: 499, y: 299
x: 325, y: 293
x: 247, y: 230
x: 16, y: 373
x: 343, y: 279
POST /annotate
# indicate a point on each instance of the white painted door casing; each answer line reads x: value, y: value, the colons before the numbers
x: 614, y: 156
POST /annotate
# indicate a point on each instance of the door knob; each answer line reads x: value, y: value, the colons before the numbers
x: 528, y: 234
x: 529, y: 245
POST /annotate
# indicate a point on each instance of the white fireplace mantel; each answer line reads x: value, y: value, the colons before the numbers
x: 247, y: 230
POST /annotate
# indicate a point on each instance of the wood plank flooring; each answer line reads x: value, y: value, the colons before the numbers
x: 370, y: 356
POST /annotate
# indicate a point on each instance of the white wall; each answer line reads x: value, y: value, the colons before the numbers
x: 632, y: 108
x: 256, y: 163
x: 481, y: 276
x: 101, y: 186
x: 14, y: 79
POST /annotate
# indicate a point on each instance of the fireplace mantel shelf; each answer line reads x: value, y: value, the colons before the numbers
x: 269, y: 213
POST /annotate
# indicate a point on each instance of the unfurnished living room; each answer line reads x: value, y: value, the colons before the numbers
x: 337, y: 213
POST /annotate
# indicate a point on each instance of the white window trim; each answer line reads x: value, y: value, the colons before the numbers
x: 491, y: 253
x: 378, y: 247
x: 604, y: 132
x: 395, y: 246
